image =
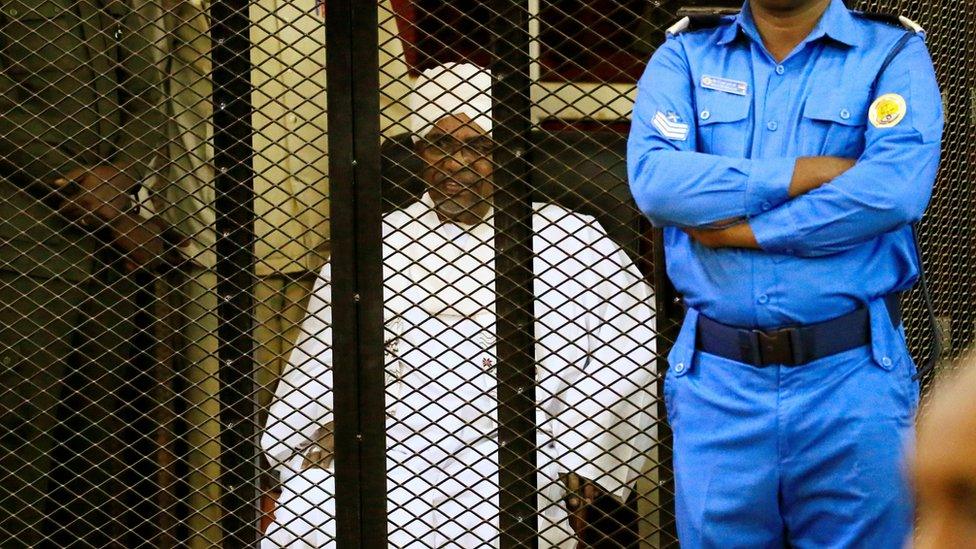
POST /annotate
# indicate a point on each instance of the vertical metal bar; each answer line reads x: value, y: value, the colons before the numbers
x: 343, y: 235
x: 235, y: 267
x: 514, y: 279
x: 369, y: 272
x: 357, y: 284
x: 535, y: 53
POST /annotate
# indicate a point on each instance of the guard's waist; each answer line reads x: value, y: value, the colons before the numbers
x: 794, y: 345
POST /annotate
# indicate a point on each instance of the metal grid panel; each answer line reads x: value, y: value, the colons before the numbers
x: 141, y: 347
x: 447, y: 374
x: 947, y: 230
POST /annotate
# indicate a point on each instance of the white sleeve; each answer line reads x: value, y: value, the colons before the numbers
x: 605, y: 427
x: 303, y: 400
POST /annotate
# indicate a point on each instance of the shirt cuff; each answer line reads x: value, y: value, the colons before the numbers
x: 769, y: 184
x: 776, y: 231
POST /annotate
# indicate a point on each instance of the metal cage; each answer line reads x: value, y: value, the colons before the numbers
x: 250, y: 302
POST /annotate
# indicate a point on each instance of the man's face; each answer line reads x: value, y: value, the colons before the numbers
x: 458, y: 168
x: 945, y: 469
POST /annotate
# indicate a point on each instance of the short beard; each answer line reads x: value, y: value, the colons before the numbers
x: 451, y: 208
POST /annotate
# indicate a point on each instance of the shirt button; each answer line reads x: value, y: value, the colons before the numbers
x: 763, y: 299
x: 13, y: 12
x: 766, y: 206
x: 679, y: 367
x: 885, y: 361
x: 773, y: 126
x: 705, y: 115
x: 780, y: 69
x: 845, y: 114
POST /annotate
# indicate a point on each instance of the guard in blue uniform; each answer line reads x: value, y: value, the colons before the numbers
x: 787, y: 151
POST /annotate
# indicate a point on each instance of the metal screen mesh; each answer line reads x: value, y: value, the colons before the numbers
x: 183, y: 354
x: 946, y: 231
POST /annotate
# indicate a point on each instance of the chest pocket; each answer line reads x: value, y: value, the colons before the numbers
x: 42, y: 36
x: 724, y: 125
x: 834, y: 125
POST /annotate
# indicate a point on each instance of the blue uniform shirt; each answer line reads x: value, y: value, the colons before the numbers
x: 717, y: 127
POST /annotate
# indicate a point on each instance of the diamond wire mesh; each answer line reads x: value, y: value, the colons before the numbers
x: 946, y: 233
x: 111, y: 410
x: 594, y: 339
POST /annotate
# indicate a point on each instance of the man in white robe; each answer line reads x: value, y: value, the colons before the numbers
x: 594, y: 352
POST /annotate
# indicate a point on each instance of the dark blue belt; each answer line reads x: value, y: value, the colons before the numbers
x: 791, y: 346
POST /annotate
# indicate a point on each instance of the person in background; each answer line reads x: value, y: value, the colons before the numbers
x: 945, y: 463
x: 595, y: 354
x: 78, y: 134
x: 182, y: 192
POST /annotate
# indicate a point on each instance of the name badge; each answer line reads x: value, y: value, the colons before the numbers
x: 724, y: 85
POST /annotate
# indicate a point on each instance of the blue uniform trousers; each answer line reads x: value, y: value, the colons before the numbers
x: 805, y: 457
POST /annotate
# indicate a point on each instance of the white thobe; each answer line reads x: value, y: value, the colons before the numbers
x: 595, y: 369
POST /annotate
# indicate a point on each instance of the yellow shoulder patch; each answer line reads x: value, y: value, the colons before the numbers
x: 888, y: 110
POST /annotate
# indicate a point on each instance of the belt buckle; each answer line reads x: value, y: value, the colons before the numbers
x: 780, y: 346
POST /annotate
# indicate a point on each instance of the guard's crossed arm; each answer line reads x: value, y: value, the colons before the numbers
x: 810, y: 173
x: 888, y: 188
x: 675, y: 185
x: 672, y: 183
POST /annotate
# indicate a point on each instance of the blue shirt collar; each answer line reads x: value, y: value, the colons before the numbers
x: 837, y: 23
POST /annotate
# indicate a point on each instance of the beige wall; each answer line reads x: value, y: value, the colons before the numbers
x: 291, y: 129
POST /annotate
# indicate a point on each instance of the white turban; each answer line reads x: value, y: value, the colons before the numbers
x: 451, y: 88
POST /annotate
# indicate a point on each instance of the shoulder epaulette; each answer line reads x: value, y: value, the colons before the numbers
x: 694, y: 22
x: 893, y: 20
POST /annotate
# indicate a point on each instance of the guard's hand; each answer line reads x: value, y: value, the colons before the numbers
x: 736, y: 236
x: 95, y: 195
x: 322, y: 451
x: 707, y: 237
x: 812, y: 172
x: 146, y: 243
x: 580, y: 495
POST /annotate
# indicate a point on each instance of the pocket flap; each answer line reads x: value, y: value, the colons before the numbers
x: 729, y: 108
x: 683, y: 351
x: 847, y: 110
